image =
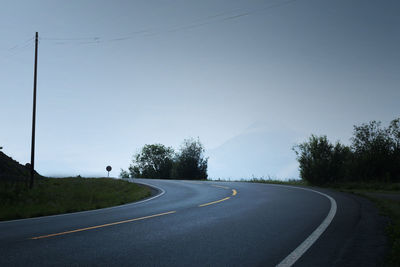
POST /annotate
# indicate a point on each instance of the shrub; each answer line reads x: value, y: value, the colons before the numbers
x: 159, y: 161
x: 374, y: 155
x: 376, y: 151
x: 190, y: 162
x: 154, y: 161
x: 124, y: 174
x: 320, y: 161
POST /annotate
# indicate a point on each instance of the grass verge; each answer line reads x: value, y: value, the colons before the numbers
x: 264, y: 181
x: 62, y: 195
x: 274, y: 181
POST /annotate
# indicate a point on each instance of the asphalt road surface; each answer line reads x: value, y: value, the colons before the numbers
x: 191, y: 223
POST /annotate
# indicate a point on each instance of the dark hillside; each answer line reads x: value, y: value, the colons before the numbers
x: 11, y: 169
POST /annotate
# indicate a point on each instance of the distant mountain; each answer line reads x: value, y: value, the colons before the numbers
x: 259, y: 152
x: 12, y: 169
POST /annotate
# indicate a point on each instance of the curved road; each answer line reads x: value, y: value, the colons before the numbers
x: 191, y: 223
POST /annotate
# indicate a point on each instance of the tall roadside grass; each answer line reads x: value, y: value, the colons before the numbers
x: 276, y: 181
x: 371, y: 186
x: 263, y: 180
x: 391, y: 208
x: 62, y: 195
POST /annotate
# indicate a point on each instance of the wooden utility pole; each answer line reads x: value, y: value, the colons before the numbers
x: 34, y: 113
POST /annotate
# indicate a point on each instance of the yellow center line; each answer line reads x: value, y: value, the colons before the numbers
x: 220, y: 186
x: 210, y: 203
x: 103, y: 225
x: 234, y: 192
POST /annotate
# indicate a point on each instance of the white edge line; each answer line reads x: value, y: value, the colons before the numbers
x: 87, y: 211
x: 310, y: 240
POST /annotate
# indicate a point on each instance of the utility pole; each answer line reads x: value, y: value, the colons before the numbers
x: 34, y: 113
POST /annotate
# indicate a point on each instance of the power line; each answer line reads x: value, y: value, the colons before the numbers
x: 220, y: 17
x: 211, y: 19
x: 20, y: 45
x: 18, y: 49
x: 71, y: 39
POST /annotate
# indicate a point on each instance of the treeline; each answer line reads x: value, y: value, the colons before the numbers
x: 161, y: 162
x: 374, y: 155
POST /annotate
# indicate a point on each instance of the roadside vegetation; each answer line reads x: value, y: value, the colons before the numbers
x: 62, y: 195
x: 391, y: 208
x: 373, y: 156
x: 275, y: 181
x: 265, y: 181
x: 369, y: 167
x: 12, y: 170
x: 161, y: 162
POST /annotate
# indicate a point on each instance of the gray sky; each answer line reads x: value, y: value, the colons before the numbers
x: 241, y: 75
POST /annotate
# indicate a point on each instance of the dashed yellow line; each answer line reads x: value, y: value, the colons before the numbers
x: 103, y: 225
x: 234, y: 192
x: 210, y: 203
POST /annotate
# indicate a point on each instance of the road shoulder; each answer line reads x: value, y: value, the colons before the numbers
x: 356, y: 236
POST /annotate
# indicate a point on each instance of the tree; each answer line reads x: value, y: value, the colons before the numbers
x: 320, y: 161
x: 394, y: 130
x: 190, y: 162
x: 154, y: 161
x: 374, y: 155
x: 371, y: 138
x: 124, y: 174
x: 377, y: 151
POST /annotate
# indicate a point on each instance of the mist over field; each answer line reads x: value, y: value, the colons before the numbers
x: 256, y: 152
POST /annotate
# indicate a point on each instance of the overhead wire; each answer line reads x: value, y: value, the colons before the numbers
x: 18, y: 48
x: 261, y: 9
x: 98, y: 39
x: 20, y: 45
x: 220, y: 17
x: 211, y: 19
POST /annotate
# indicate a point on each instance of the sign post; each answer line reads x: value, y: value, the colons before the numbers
x: 108, y: 169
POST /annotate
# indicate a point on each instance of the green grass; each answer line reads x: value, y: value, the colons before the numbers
x: 376, y: 187
x: 265, y: 181
x: 391, y: 209
x: 62, y: 195
x: 275, y: 181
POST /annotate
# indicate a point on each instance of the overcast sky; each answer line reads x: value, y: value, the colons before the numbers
x: 116, y: 75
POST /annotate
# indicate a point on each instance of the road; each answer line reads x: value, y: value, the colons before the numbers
x: 191, y: 223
